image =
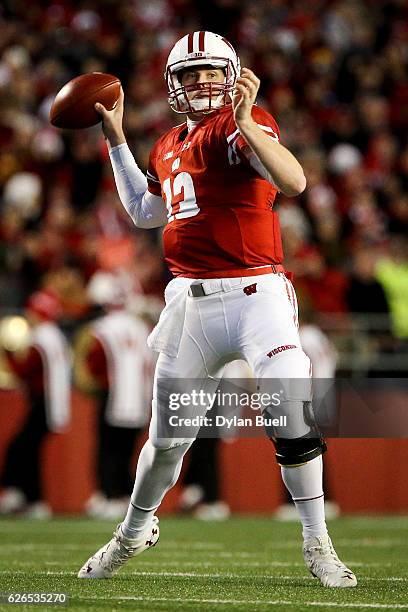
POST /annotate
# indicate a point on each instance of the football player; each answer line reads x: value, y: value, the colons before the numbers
x: 212, y: 182
x: 41, y: 361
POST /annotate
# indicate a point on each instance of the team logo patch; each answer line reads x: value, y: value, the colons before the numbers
x: 280, y: 349
x: 250, y: 289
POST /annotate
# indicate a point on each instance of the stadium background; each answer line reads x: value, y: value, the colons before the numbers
x: 334, y: 74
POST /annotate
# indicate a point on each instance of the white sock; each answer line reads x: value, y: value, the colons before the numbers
x: 157, y: 471
x: 305, y: 484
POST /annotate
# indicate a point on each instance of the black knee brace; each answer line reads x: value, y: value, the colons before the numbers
x: 297, y: 451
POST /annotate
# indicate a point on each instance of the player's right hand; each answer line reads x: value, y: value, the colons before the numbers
x: 112, y: 121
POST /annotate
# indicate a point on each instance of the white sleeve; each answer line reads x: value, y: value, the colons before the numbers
x: 146, y: 209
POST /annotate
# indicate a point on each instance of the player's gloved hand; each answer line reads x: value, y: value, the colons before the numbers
x: 112, y: 121
x: 245, y: 92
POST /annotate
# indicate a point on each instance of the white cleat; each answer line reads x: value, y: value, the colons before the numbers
x: 110, y: 558
x: 323, y: 563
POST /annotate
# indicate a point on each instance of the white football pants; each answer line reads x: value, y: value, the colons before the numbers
x: 257, y: 324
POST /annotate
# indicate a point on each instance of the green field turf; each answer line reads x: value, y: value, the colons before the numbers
x: 244, y: 564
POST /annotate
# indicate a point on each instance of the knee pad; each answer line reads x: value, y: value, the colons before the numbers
x: 297, y: 451
x: 287, y: 382
x: 289, y: 420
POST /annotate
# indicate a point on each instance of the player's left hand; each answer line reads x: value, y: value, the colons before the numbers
x: 244, y: 96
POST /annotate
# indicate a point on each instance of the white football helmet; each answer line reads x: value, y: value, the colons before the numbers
x: 201, y: 49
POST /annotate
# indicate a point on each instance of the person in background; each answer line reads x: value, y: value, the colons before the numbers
x: 324, y: 286
x: 367, y: 300
x: 365, y: 293
x: 120, y: 366
x: 44, y: 368
x: 391, y: 272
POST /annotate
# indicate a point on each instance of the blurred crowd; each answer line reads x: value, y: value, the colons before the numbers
x: 334, y: 73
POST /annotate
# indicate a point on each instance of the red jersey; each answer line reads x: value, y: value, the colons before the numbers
x: 97, y: 363
x: 30, y: 369
x: 220, y: 217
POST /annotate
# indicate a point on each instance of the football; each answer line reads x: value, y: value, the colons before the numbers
x: 73, y: 106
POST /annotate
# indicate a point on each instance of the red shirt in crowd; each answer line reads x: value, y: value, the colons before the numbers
x: 97, y: 363
x: 29, y: 369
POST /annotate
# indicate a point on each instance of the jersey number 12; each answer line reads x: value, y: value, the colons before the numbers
x: 187, y: 207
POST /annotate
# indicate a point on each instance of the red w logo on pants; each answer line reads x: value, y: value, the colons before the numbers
x: 250, y: 289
